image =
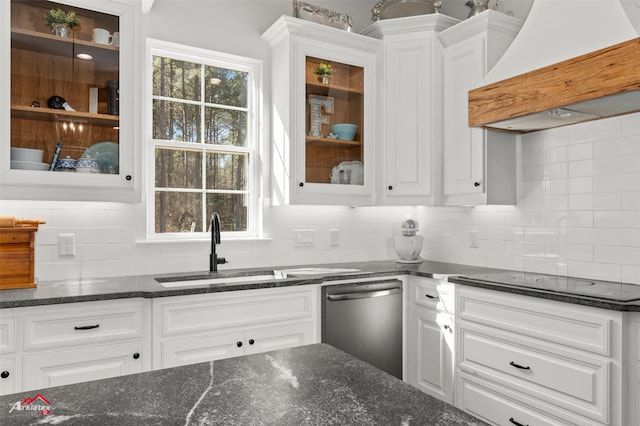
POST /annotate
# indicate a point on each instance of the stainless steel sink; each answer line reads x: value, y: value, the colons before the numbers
x: 249, y: 277
x: 195, y: 280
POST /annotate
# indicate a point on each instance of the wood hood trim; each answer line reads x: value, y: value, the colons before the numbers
x: 609, y: 71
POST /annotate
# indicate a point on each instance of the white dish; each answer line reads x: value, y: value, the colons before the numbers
x: 353, y: 172
x: 27, y: 154
x: 29, y: 165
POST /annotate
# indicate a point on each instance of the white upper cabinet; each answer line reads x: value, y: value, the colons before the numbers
x: 41, y: 68
x: 314, y: 162
x: 479, y: 166
x: 410, y: 109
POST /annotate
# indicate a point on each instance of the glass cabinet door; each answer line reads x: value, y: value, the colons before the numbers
x: 64, y: 89
x: 334, y: 135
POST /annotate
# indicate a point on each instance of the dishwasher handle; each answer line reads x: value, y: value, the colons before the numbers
x: 364, y: 294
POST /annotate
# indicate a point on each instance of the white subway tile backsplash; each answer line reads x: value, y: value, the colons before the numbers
x: 630, y: 237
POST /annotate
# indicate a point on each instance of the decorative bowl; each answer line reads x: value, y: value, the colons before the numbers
x: 27, y: 154
x: 344, y: 131
x: 87, y: 165
x: 66, y: 164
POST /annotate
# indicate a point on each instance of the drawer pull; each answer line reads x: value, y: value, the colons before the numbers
x: 86, y: 327
x: 431, y: 297
x: 251, y: 341
x: 136, y: 355
x: 513, y: 364
x: 516, y: 422
x: 4, y: 374
x: 239, y: 344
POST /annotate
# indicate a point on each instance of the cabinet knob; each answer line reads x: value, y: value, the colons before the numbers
x: 239, y: 344
x: 390, y: 187
x: 136, y: 355
x: 128, y: 177
x: 476, y: 184
x: 301, y: 184
x: 447, y: 327
x: 251, y: 341
x: 4, y: 374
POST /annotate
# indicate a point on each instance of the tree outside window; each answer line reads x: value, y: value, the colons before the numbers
x: 202, y: 146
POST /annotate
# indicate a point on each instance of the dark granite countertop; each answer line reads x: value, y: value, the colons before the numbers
x: 91, y: 289
x: 308, y: 385
x: 146, y: 286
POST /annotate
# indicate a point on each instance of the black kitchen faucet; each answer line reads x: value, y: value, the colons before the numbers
x: 214, y: 260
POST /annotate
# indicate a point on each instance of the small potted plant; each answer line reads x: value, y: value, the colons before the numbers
x: 324, y: 71
x: 61, y: 22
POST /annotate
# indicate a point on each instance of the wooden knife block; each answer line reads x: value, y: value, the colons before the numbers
x: 17, y: 248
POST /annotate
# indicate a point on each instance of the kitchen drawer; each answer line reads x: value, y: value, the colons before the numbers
x: 433, y: 294
x: 7, y: 333
x: 497, y: 409
x: 8, y: 375
x: 567, y: 325
x: 81, y: 365
x: 574, y: 382
x: 186, y: 314
x: 80, y: 324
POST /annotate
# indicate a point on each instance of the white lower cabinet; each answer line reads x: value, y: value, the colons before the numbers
x: 430, y: 327
x: 80, y: 365
x: 633, y: 386
x: 199, y: 328
x: 73, y: 342
x: 523, y: 360
x: 8, y: 363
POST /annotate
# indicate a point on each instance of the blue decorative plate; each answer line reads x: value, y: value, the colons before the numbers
x: 107, y: 155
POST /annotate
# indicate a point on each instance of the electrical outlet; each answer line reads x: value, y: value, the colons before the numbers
x: 303, y: 237
x: 67, y: 244
x: 334, y: 237
x: 474, y: 239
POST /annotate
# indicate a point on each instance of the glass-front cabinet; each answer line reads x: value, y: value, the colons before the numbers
x: 68, y: 124
x: 323, y: 128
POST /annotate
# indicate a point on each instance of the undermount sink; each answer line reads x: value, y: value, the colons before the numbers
x: 318, y: 271
x: 206, y: 280
x: 254, y: 276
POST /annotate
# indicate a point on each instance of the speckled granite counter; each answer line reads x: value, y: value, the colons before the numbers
x: 89, y: 289
x: 145, y: 286
x: 309, y: 385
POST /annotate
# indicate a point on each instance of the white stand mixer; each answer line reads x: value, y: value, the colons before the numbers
x: 408, y: 245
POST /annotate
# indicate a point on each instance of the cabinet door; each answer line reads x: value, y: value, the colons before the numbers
x: 206, y: 348
x: 278, y: 337
x: 8, y: 374
x: 408, y: 120
x: 72, y: 95
x: 464, y: 66
x: 334, y: 134
x: 430, y: 358
x: 80, y: 365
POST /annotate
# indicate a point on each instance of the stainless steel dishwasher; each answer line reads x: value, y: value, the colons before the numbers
x: 365, y: 320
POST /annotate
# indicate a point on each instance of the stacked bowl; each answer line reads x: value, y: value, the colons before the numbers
x: 28, y: 159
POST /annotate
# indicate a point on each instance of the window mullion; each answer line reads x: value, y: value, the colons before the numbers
x: 203, y: 147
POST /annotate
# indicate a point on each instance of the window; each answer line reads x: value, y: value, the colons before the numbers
x: 204, y: 110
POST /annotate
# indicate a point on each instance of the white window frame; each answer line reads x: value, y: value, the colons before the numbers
x: 254, y: 134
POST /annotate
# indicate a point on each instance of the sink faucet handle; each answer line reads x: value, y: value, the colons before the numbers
x: 221, y: 260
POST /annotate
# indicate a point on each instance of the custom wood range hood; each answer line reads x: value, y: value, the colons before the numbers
x: 588, y: 85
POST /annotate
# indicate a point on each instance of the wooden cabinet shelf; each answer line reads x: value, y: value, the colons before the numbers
x: 36, y: 41
x: 333, y: 143
x: 30, y: 113
x: 325, y: 89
